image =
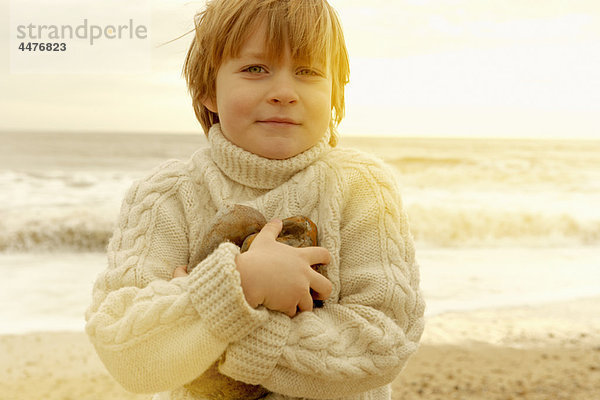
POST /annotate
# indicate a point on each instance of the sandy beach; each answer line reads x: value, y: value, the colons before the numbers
x: 544, y: 352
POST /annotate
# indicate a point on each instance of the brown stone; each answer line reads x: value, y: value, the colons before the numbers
x: 297, y: 231
x: 233, y: 224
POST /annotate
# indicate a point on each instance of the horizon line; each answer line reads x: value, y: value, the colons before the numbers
x: 341, y: 136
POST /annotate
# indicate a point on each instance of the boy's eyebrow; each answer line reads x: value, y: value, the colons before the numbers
x: 258, y: 55
x: 252, y: 54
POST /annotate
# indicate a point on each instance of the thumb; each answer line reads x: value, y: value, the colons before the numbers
x: 180, y: 271
x: 270, y: 231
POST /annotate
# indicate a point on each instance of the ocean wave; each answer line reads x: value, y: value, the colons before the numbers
x: 90, y: 230
x: 79, y: 231
x: 428, y: 161
x: 446, y: 227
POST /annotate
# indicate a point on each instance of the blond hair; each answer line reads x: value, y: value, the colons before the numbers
x: 311, y: 28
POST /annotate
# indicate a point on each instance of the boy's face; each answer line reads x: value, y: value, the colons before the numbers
x: 275, y: 109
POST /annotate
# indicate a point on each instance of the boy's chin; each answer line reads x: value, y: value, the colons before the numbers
x: 277, y: 154
x: 279, y: 149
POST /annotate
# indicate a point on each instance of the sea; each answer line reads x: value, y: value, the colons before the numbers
x: 497, y: 222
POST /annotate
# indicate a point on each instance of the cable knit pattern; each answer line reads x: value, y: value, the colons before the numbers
x: 214, y: 279
x: 155, y: 333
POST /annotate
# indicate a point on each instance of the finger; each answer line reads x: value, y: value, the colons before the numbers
x: 306, y: 303
x: 180, y: 271
x: 320, y: 285
x: 291, y: 312
x: 270, y: 231
x: 316, y: 255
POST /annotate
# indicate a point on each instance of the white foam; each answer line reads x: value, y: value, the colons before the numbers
x: 471, y: 279
x: 41, y: 292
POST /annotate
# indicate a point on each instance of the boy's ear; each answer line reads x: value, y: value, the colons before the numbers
x: 210, y: 104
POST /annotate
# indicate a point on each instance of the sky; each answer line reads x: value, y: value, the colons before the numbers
x: 419, y: 68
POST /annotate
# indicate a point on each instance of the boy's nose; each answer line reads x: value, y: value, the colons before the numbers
x: 283, y: 91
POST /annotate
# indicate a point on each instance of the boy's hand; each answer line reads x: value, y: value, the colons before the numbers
x: 180, y: 271
x: 279, y: 276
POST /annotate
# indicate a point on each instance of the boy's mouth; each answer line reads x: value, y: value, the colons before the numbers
x: 282, y: 121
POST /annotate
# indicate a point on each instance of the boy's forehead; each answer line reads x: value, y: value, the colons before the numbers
x: 254, y: 46
x: 260, y: 48
x: 257, y: 44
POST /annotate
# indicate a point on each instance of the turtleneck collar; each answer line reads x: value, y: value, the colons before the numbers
x: 255, y: 171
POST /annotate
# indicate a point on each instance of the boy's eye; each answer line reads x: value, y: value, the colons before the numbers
x: 308, y: 72
x: 254, y: 69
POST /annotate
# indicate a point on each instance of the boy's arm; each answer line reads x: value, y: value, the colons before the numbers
x: 363, y: 340
x: 154, y: 333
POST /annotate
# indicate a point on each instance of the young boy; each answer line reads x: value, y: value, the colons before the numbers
x: 267, y: 80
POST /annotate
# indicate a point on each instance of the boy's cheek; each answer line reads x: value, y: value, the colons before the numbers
x: 240, y: 105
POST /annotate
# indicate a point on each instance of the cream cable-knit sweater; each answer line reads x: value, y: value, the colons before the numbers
x: 155, y: 333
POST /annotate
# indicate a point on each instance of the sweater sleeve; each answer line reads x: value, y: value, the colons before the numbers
x: 363, y: 340
x: 154, y: 333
